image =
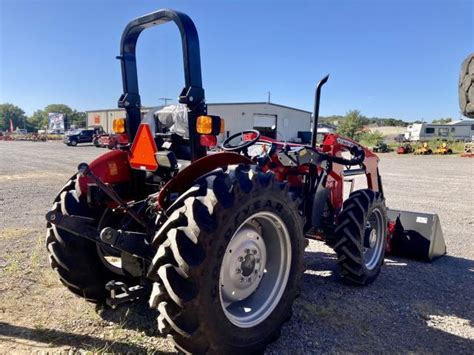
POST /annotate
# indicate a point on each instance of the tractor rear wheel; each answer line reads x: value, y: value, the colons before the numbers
x: 229, y: 263
x: 466, y: 87
x: 361, y: 237
x: 76, y: 260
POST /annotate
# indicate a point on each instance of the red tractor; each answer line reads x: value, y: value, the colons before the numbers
x: 405, y: 149
x: 215, y: 239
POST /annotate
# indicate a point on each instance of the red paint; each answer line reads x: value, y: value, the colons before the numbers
x: 111, y: 167
x: 249, y: 136
x: 390, y: 231
x: 186, y: 177
x: 113, y: 140
x: 334, y: 145
x: 208, y: 140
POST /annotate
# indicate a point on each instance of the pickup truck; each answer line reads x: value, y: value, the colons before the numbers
x: 81, y: 136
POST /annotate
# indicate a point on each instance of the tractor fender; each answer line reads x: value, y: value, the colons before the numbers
x: 112, y: 168
x: 186, y: 177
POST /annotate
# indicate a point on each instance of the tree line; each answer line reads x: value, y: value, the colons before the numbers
x: 39, y: 118
x: 351, y: 125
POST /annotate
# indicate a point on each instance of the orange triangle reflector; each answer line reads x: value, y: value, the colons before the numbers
x: 142, y: 154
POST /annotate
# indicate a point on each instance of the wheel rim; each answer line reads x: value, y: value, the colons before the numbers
x: 255, y: 269
x: 373, y: 239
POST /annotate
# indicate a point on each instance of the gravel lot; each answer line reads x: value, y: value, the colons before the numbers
x: 412, y: 307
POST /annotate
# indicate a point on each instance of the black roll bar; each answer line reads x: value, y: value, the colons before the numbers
x: 192, y: 94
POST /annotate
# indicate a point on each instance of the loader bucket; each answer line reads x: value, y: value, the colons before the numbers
x: 417, y: 235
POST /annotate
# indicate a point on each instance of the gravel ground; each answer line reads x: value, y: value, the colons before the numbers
x: 412, y: 306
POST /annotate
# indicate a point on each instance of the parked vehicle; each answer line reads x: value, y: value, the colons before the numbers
x: 405, y: 149
x: 381, y: 147
x: 443, y: 149
x: 462, y: 130
x: 111, y: 141
x: 81, y: 136
x: 423, y: 149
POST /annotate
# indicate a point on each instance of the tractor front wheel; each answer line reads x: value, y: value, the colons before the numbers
x: 361, y: 237
x: 229, y: 263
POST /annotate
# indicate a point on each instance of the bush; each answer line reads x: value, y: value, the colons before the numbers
x: 369, y: 138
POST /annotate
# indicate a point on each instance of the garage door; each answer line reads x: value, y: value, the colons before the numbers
x: 260, y: 120
x: 265, y: 124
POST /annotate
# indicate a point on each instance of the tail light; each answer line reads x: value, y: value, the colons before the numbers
x: 208, y: 140
x: 118, y: 125
x: 209, y: 125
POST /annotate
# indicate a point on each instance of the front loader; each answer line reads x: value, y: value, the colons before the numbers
x: 215, y: 240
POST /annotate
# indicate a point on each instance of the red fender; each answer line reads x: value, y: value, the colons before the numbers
x: 111, y: 167
x: 186, y: 177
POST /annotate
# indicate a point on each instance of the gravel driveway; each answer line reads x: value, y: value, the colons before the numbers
x: 412, y: 306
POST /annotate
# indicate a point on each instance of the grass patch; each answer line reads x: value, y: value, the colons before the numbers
x: 13, y: 233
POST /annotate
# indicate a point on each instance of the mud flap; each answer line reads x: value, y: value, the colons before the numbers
x: 417, y: 235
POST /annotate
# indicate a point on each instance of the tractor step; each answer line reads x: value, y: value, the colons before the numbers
x: 121, y: 293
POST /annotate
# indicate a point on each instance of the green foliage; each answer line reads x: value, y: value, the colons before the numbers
x: 39, y: 118
x: 442, y: 120
x: 370, y: 139
x: 378, y: 121
x: 352, y: 124
x: 11, y: 112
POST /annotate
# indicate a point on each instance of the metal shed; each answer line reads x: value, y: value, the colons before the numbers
x: 273, y: 120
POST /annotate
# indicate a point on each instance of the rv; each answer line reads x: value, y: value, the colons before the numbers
x: 462, y: 130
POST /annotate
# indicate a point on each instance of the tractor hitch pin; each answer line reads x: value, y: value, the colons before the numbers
x: 84, y: 170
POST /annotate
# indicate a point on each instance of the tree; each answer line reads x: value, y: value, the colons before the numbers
x: 39, y: 119
x: 11, y: 112
x: 442, y: 120
x: 370, y: 138
x: 77, y: 118
x: 352, y: 124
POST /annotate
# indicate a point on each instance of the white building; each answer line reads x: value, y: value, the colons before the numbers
x: 273, y: 120
x: 462, y: 130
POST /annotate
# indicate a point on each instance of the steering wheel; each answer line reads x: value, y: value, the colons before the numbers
x: 244, y: 144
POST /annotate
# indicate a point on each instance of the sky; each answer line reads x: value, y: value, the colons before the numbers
x: 385, y: 58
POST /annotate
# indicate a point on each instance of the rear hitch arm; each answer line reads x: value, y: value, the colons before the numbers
x: 84, y: 170
x: 133, y: 243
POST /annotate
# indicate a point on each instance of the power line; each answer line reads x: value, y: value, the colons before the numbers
x: 165, y: 99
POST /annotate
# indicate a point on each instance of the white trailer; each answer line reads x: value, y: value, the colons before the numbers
x: 462, y: 130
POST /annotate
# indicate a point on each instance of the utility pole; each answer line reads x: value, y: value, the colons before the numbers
x: 165, y: 99
x: 269, y: 95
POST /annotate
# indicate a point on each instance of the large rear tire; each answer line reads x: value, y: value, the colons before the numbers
x: 361, y: 237
x: 466, y: 87
x: 229, y: 263
x: 75, y: 259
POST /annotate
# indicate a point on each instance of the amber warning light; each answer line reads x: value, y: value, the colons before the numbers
x: 142, y: 154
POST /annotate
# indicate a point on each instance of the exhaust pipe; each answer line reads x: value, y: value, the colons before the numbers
x: 317, y: 100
